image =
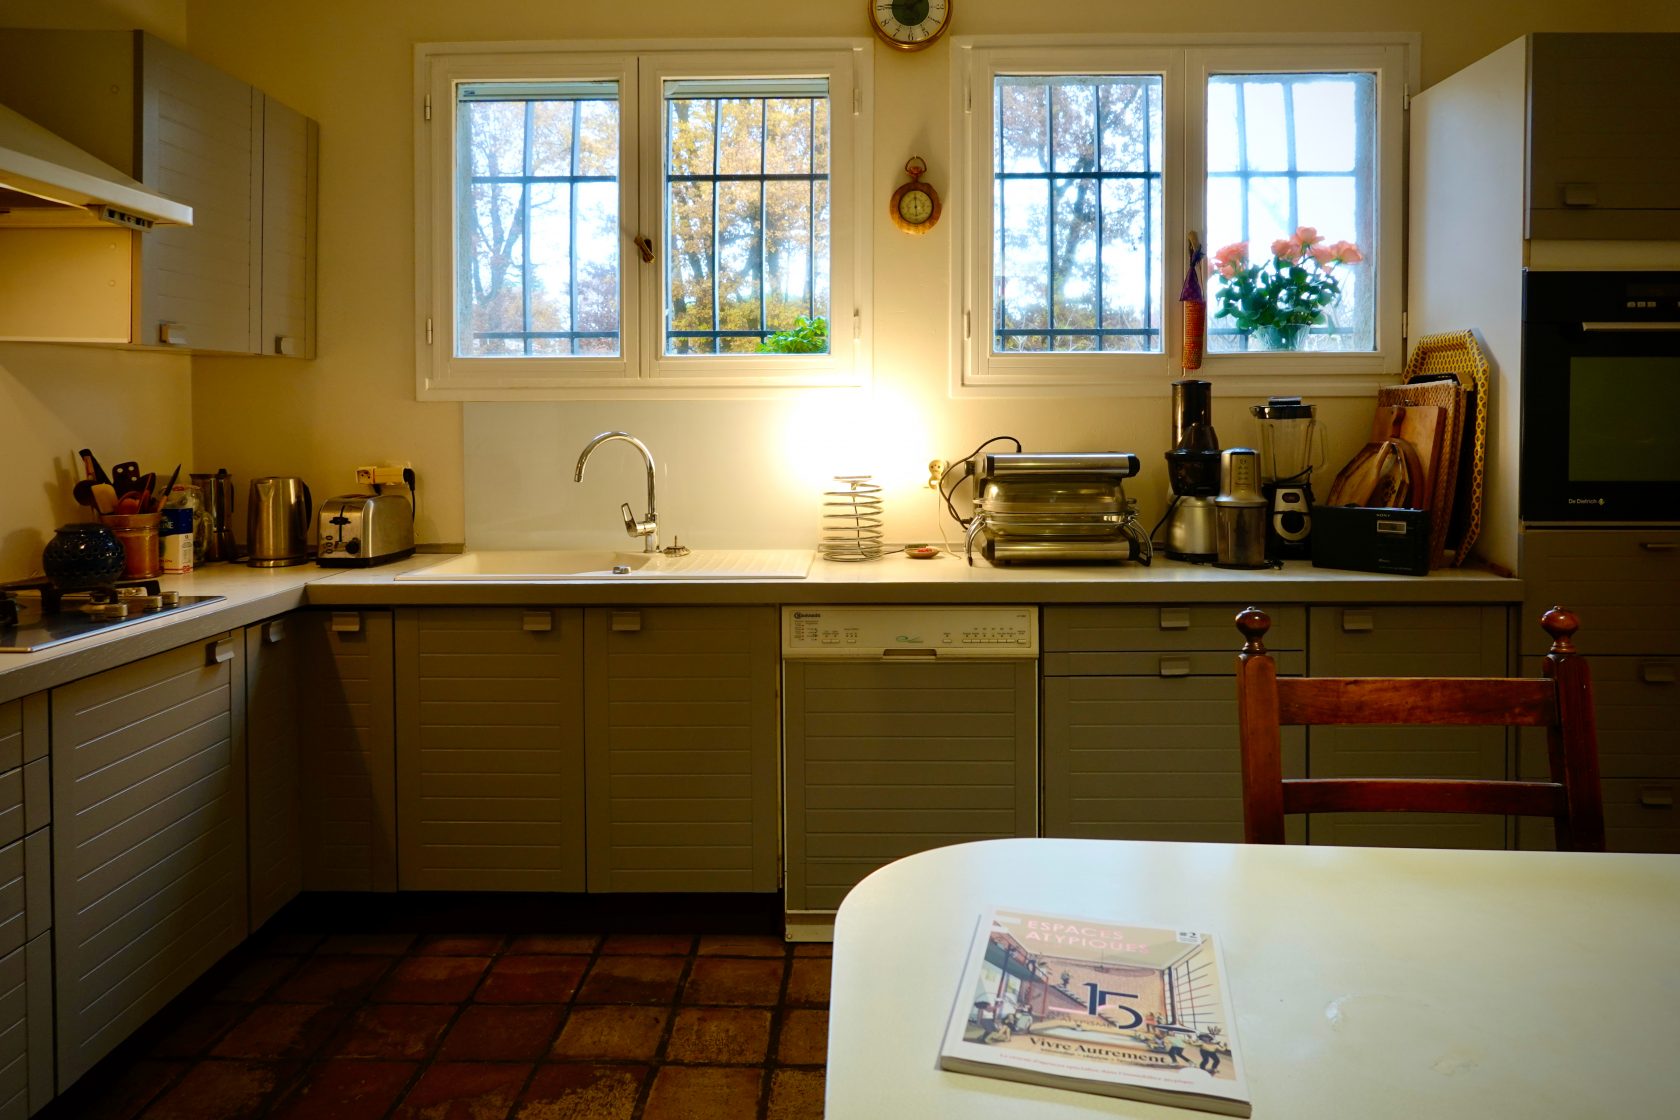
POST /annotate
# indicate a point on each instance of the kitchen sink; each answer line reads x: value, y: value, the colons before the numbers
x: 601, y: 564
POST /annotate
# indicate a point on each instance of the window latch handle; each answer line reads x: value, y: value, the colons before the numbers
x: 646, y: 246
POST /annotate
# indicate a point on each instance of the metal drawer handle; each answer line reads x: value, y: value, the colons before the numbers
x: 346, y: 622
x: 626, y: 622
x: 221, y: 651
x: 1358, y: 622
x: 274, y: 631
x: 1657, y: 672
x: 1658, y: 546
x: 1657, y: 797
x: 1175, y: 618
x: 539, y: 622
x: 1175, y: 667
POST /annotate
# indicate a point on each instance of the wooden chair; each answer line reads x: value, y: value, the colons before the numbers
x: 1561, y: 702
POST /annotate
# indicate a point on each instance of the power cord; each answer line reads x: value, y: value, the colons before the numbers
x: 968, y: 470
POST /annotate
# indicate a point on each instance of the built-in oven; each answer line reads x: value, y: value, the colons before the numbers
x: 1600, y: 398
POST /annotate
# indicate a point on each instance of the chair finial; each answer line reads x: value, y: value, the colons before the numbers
x: 1561, y: 624
x: 1253, y: 622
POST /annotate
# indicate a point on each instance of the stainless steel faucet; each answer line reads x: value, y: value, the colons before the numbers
x: 648, y: 527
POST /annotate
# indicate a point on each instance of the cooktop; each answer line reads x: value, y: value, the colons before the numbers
x: 31, y: 620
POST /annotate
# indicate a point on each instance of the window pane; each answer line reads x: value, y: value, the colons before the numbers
x: 537, y: 262
x: 1286, y: 151
x: 746, y: 215
x: 1076, y: 213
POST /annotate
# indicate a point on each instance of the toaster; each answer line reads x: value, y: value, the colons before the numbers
x: 357, y: 530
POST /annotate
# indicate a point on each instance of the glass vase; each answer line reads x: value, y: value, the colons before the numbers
x: 1287, y: 337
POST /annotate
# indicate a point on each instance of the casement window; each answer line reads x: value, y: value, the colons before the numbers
x: 618, y: 224
x: 1083, y: 169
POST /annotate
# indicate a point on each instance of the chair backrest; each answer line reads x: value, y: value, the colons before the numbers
x: 1560, y: 701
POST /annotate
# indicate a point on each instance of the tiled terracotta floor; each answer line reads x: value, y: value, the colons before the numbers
x: 482, y: 1027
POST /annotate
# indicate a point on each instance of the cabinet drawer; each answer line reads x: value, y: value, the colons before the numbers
x: 23, y: 731
x: 1640, y: 815
x: 1167, y: 663
x: 1140, y: 759
x: 1623, y: 584
x: 1636, y: 704
x: 25, y: 800
x: 1147, y: 628
x: 25, y: 889
x: 1407, y: 641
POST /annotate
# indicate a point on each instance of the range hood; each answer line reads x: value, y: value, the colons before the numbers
x: 46, y: 181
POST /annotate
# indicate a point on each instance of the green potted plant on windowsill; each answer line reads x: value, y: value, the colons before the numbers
x: 1276, y: 300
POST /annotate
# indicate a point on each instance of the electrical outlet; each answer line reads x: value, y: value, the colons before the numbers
x: 936, y: 471
x: 382, y: 474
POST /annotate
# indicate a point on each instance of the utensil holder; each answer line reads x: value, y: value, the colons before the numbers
x: 138, y: 535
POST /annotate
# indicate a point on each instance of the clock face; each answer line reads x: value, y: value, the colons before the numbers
x: 915, y: 207
x: 909, y: 24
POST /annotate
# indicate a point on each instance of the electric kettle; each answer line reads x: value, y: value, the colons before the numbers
x: 277, y: 517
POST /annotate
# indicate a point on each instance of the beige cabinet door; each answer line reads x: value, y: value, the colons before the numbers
x: 26, y: 996
x: 149, y: 839
x: 348, y: 753
x: 273, y: 729
x: 680, y: 748
x: 490, y: 776
x: 289, y: 144
x: 1408, y: 641
x: 201, y: 135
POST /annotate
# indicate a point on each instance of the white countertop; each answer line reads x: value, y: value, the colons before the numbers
x: 1366, y: 982
x: 253, y: 594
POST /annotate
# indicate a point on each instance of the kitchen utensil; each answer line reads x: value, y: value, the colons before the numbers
x: 358, y: 530
x: 126, y: 476
x: 104, y: 497
x: 83, y: 493
x: 277, y: 515
x: 217, y: 491
x: 91, y: 466
x: 163, y: 495
x: 147, y: 484
x: 851, y: 524
x: 1450, y: 396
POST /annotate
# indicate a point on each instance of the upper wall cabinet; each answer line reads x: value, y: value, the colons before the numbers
x: 1604, y: 123
x: 240, y: 279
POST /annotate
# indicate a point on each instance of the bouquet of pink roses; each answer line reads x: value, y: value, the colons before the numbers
x: 1280, y: 297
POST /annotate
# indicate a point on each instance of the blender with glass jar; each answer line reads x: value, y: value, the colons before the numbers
x: 1291, y: 448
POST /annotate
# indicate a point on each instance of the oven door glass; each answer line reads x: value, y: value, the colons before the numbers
x: 1601, y: 413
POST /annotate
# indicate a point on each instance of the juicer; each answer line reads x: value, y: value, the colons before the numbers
x: 1193, y: 472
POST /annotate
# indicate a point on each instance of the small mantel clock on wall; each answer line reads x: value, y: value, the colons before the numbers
x: 914, y: 207
x: 909, y: 25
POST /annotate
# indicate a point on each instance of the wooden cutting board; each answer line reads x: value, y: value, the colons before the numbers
x: 1423, y: 426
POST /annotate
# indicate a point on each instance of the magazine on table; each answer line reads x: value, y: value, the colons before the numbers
x: 1098, y: 1006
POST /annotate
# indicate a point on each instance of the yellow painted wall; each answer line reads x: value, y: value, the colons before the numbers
x: 55, y: 399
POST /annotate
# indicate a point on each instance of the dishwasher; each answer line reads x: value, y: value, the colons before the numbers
x: 903, y: 729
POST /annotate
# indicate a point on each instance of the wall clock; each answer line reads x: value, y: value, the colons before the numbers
x: 914, y: 207
x: 909, y: 25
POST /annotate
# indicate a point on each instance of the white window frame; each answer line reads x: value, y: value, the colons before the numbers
x: 1185, y: 63
x: 642, y: 370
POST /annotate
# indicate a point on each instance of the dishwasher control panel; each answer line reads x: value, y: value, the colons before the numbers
x: 909, y: 632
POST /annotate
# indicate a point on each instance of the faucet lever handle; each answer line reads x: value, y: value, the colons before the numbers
x: 631, y: 526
